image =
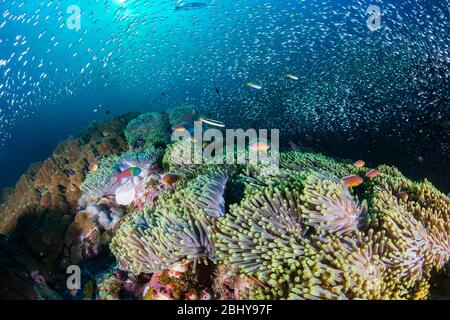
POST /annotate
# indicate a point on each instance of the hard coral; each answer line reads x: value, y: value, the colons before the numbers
x: 151, y: 128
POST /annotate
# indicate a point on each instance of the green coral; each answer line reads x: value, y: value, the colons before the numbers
x: 151, y: 128
x: 183, y: 115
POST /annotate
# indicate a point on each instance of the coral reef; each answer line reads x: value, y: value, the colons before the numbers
x: 51, y: 184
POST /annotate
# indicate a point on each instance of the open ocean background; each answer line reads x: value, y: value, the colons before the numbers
x: 381, y: 96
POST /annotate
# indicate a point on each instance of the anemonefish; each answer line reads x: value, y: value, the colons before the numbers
x: 170, y: 178
x: 353, y: 181
x: 360, y: 163
x: 179, y: 129
x: 260, y: 146
x: 403, y: 196
x: 373, y: 174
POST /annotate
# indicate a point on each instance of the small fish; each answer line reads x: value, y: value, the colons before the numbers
x: 403, y: 196
x: 170, y: 179
x: 373, y: 174
x: 163, y: 94
x: 107, y: 112
x: 217, y: 91
x: 212, y: 122
x: 128, y: 173
x: 293, y: 146
x: 291, y: 76
x: 359, y: 163
x: 253, y: 85
x: 93, y: 167
x: 260, y: 146
x: 95, y: 110
x: 353, y: 180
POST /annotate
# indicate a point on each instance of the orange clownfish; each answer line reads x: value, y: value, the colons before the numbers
x: 260, y: 146
x: 360, y: 163
x: 170, y: 179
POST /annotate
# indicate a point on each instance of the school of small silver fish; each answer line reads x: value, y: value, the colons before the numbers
x: 316, y: 61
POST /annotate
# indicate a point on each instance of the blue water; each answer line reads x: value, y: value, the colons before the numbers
x: 382, y: 94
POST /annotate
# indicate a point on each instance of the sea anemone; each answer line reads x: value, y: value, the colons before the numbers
x: 102, y: 182
x: 344, y: 268
x: 262, y: 236
x: 183, y: 157
x: 98, y: 184
x: 146, y: 159
x: 411, y: 254
x: 315, y: 162
x: 176, y: 231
